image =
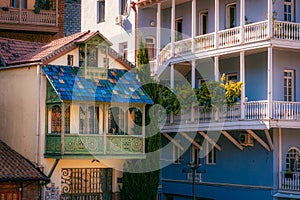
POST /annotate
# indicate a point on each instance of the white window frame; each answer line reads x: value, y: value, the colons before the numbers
x: 100, y: 11
x: 290, y: 4
x: 293, y: 154
x: 152, y: 42
x: 195, y: 154
x: 230, y: 75
x: 228, y: 16
x: 178, y: 34
x: 286, y: 92
x: 177, y: 154
x: 123, y: 48
x: 211, y: 156
x: 201, y: 24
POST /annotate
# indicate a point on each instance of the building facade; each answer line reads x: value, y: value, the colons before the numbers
x: 75, y: 106
x: 249, y: 150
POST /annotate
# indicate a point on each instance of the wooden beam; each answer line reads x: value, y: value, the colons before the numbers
x: 191, y: 140
x: 211, y: 141
x: 231, y: 139
x: 269, y: 139
x: 258, y: 139
x: 173, y: 141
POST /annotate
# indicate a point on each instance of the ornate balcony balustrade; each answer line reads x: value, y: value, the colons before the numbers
x: 254, y: 110
x: 290, y: 181
x: 250, y: 33
x: 93, y: 144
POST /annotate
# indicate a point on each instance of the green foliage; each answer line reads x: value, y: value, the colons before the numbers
x: 138, y: 186
x: 143, y: 62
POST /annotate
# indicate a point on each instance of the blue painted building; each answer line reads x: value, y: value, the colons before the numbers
x: 250, y: 150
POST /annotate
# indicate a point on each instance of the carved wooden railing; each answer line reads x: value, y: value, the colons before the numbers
x: 255, y: 31
x: 204, y: 42
x: 229, y: 37
x: 290, y: 181
x: 27, y: 16
x: 182, y: 47
x: 254, y: 110
x: 94, y: 144
x: 287, y: 30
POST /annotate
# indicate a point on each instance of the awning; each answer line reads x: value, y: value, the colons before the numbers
x: 287, y: 195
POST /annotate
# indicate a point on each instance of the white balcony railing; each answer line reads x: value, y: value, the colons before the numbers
x: 290, y: 181
x: 253, y: 32
x: 229, y: 37
x: 254, y: 110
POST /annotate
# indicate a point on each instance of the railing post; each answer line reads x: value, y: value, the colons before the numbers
x: 216, y: 23
x: 20, y: 11
x: 270, y: 18
x: 242, y: 79
x: 56, y: 17
x: 242, y: 20
x: 63, y: 107
x: 270, y: 82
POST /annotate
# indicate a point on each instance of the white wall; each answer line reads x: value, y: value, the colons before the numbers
x: 115, y: 33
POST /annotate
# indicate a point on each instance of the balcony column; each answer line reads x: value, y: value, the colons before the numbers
x: 63, y: 108
x: 105, y: 126
x: 56, y: 10
x: 216, y: 41
x: 270, y: 81
x: 158, y: 33
x: 20, y: 11
x: 172, y: 76
x: 193, y: 21
x: 270, y: 18
x: 242, y: 19
x: 242, y: 79
x: 144, y: 127
x: 173, y: 28
x: 193, y: 76
x: 216, y: 70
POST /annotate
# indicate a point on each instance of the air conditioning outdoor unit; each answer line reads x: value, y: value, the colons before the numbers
x: 119, y: 20
x: 246, y: 140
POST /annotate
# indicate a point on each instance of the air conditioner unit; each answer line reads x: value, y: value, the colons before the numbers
x: 119, y: 20
x: 246, y: 140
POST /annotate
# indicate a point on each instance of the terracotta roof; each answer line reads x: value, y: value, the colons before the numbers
x: 15, y: 52
x: 14, y: 167
x: 11, y: 49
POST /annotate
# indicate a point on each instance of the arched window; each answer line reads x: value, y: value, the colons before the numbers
x: 56, y: 119
x: 292, y: 160
x: 116, y: 123
x: 134, y: 121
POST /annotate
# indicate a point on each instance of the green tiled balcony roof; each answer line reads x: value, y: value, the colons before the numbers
x: 120, y: 86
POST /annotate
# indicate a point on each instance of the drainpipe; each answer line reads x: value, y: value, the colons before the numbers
x: 37, y: 117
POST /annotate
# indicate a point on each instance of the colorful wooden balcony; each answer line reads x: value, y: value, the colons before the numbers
x: 88, y: 145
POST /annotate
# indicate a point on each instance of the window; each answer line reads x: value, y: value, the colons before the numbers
x: 150, y: 47
x: 16, y: 4
x: 100, y: 11
x: 124, y: 49
x: 195, y: 155
x: 292, y: 160
x: 116, y: 123
x: 231, y: 15
x: 123, y: 7
x: 86, y: 183
x: 88, y: 119
x: 70, y: 60
x: 289, y: 10
x: 92, y: 56
x: 203, y: 22
x: 178, y: 29
x: 289, y: 85
x: 231, y: 77
x: 177, y: 154
x: 55, y: 119
x: 210, y: 154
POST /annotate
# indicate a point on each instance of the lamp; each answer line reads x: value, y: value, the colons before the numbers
x: 152, y: 23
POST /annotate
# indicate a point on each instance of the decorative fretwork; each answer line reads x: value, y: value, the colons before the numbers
x: 67, y: 119
x: 83, y: 144
x: 124, y: 144
x: 52, y: 96
x: 86, y: 183
x: 53, y: 143
x: 56, y: 119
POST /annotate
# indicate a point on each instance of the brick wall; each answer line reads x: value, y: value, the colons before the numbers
x: 72, y: 16
x: 39, y: 36
x: 26, y: 190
